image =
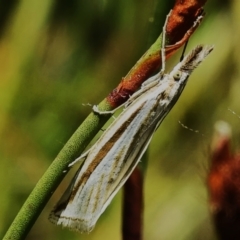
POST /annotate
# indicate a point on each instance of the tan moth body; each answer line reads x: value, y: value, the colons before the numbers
x: 116, y: 153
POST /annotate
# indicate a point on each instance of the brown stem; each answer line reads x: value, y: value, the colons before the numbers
x: 133, y: 207
x: 224, y: 191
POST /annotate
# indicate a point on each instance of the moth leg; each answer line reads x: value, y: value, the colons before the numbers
x: 96, y: 110
x: 163, y: 55
x: 83, y: 156
x: 148, y: 84
x: 135, y: 96
x: 151, y: 81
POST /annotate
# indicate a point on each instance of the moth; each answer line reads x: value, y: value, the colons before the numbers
x: 111, y: 160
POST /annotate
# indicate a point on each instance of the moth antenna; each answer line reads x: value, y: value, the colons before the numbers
x: 190, y: 129
x: 183, y: 52
x: 234, y: 113
x: 87, y: 104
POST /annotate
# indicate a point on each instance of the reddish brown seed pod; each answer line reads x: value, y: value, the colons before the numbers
x: 224, y: 185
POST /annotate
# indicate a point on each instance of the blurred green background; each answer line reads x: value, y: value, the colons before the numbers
x: 57, y: 55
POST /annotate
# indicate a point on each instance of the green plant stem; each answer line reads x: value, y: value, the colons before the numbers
x: 54, y: 175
